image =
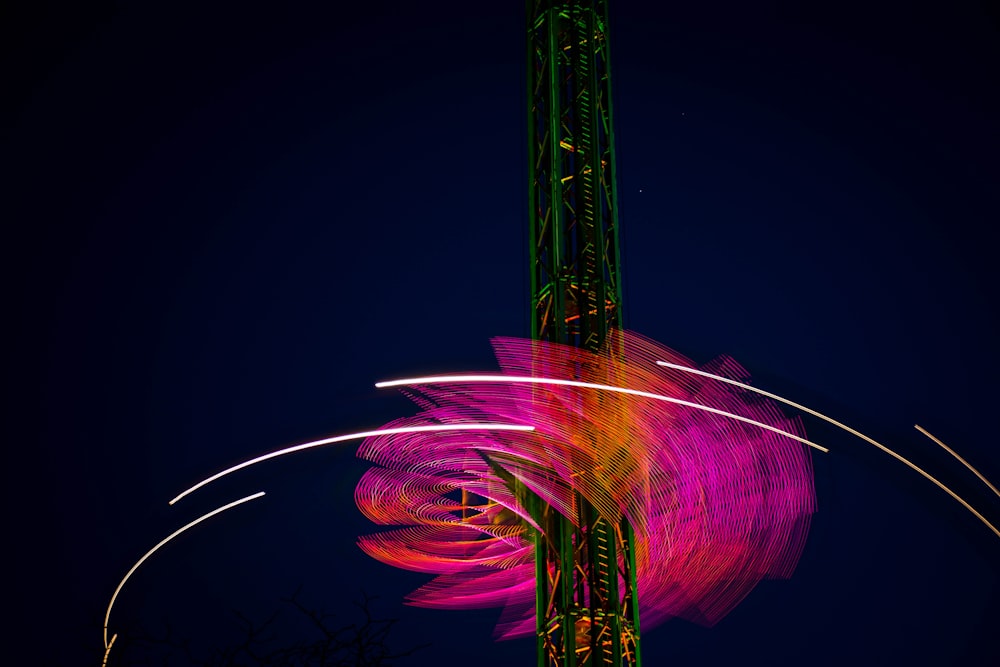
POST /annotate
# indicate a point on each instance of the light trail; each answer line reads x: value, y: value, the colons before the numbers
x: 716, y: 505
x: 960, y: 459
x: 107, y: 615
x: 852, y: 431
x: 523, y: 379
x: 354, y: 436
x: 107, y: 649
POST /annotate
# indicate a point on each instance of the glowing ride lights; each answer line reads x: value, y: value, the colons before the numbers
x: 716, y: 506
x: 714, y: 481
x: 710, y: 474
x: 344, y: 438
x: 108, y: 644
x: 864, y: 437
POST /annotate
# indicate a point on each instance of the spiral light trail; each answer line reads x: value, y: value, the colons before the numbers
x: 342, y: 438
x: 708, y: 471
x: 714, y: 481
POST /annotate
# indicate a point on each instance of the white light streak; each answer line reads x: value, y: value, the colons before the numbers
x: 864, y: 437
x: 355, y: 436
x: 523, y: 379
x: 107, y: 615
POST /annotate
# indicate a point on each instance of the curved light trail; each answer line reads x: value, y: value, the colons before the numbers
x: 716, y: 484
x: 351, y: 436
x: 556, y: 382
x: 871, y: 441
x: 710, y: 479
x: 948, y: 449
x: 107, y: 615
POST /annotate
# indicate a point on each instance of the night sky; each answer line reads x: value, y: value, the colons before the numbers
x: 223, y: 226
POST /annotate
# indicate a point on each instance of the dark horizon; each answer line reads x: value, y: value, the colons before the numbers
x: 227, y: 226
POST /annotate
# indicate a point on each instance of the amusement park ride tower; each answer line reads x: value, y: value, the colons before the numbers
x: 586, y: 599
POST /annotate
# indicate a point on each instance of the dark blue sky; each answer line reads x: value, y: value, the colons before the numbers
x: 223, y: 226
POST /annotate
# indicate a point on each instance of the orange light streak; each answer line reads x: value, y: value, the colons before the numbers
x: 960, y: 459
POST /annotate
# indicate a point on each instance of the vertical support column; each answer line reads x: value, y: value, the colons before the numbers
x: 584, y: 616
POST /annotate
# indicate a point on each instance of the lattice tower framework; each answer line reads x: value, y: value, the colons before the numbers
x: 586, y: 599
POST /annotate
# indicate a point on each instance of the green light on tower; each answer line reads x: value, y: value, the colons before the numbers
x: 586, y: 602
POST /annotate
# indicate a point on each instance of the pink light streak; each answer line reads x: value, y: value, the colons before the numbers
x: 715, y: 481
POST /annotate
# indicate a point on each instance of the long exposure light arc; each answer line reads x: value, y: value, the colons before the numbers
x: 864, y: 437
x: 951, y: 451
x: 717, y: 503
x: 218, y: 510
x: 107, y: 650
x: 360, y: 435
x: 523, y: 379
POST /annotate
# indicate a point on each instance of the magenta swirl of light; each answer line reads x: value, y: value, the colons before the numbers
x: 717, y: 502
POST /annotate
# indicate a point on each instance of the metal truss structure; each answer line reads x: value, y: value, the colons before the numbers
x: 586, y: 602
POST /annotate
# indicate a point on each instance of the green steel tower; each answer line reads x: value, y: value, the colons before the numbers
x: 586, y: 602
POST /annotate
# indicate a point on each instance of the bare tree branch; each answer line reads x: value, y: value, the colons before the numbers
x: 364, y: 643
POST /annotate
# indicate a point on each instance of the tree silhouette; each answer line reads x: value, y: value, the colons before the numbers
x: 330, y: 643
